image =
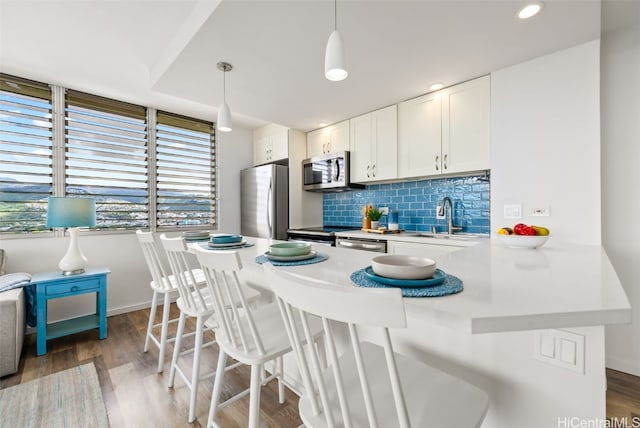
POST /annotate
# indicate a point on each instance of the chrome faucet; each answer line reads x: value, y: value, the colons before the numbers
x: 443, y: 212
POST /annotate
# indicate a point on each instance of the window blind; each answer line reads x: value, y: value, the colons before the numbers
x: 106, y: 156
x: 185, y: 171
x: 26, y: 154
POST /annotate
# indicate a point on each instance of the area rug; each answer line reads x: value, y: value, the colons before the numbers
x: 70, y: 398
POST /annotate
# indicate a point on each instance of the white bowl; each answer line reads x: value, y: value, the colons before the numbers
x: 290, y: 249
x: 522, y: 241
x: 403, y: 267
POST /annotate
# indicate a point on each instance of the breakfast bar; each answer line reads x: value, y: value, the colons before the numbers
x: 489, y: 334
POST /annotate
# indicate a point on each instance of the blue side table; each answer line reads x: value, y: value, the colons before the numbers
x: 54, y: 285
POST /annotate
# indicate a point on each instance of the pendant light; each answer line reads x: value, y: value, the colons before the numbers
x: 335, y: 66
x: 224, y: 114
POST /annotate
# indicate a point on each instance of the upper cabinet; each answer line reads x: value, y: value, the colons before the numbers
x: 330, y: 139
x: 270, y: 144
x: 420, y: 136
x: 446, y: 131
x: 374, y: 144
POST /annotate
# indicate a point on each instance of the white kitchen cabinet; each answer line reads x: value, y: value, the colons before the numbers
x: 330, y: 139
x: 465, y: 126
x: 374, y: 145
x: 421, y: 250
x: 270, y: 144
x: 420, y: 136
x: 446, y: 131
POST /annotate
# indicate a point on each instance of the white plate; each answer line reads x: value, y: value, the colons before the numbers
x: 311, y: 255
x: 230, y: 244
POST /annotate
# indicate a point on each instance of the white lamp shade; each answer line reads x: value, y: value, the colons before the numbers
x: 224, y: 118
x: 335, y: 66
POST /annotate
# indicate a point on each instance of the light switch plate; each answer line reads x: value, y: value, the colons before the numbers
x: 384, y: 210
x: 438, y: 211
x: 512, y: 211
x: 560, y: 348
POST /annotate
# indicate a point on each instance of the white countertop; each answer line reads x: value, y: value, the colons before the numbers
x: 505, y: 289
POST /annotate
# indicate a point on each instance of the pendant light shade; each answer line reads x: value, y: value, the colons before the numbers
x: 335, y: 65
x: 223, y: 123
x: 224, y: 118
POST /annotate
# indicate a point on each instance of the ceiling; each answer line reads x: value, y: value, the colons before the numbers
x: 163, y: 53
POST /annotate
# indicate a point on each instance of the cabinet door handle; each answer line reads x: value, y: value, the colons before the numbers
x: 373, y: 169
x: 368, y: 176
x: 437, y: 163
x: 74, y: 288
x: 324, y: 150
x: 329, y: 147
x: 444, y: 161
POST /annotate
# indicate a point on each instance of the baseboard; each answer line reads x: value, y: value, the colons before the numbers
x: 125, y: 309
x: 626, y: 366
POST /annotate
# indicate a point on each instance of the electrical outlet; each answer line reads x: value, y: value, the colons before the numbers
x: 512, y: 211
x: 384, y: 210
x: 438, y: 208
x: 540, y: 212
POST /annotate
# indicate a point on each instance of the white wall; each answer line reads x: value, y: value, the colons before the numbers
x: 128, y: 283
x: 620, y: 104
x: 545, y: 142
x: 235, y: 152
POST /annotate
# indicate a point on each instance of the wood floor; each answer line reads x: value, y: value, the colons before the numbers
x: 136, y: 396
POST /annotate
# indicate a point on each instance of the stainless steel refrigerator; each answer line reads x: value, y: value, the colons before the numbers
x: 265, y: 201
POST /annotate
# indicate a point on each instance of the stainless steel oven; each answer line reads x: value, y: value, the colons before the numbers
x: 375, y: 245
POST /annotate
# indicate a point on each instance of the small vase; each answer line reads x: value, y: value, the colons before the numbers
x: 374, y: 224
x: 366, y: 223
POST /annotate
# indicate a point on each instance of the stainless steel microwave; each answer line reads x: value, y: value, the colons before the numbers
x: 327, y: 173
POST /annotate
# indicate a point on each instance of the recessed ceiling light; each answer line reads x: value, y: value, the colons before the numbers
x: 529, y: 10
x: 436, y: 86
x: 322, y: 124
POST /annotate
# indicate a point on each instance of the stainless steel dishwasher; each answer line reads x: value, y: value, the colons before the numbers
x: 375, y: 245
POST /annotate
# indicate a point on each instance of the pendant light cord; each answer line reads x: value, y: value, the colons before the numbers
x: 224, y: 86
x: 335, y: 14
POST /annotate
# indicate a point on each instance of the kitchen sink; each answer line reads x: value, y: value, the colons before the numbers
x: 454, y: 237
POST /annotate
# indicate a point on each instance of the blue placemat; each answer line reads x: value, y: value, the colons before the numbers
x: 206, y: 246
x: 317, y: 259
x: 451, y: 285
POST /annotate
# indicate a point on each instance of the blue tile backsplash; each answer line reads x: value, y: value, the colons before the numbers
x: 416, y: 203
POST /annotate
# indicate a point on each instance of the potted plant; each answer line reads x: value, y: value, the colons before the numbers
x: 374, y: 215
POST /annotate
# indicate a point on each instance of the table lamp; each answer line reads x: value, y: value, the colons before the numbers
x: 72, y: 213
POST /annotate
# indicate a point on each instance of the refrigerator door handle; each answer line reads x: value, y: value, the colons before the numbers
x: 269, y: 208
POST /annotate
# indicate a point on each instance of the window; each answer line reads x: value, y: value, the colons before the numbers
x: 146, y: 169
x: 185, y: 171
x: 26, y: 153
x: 106, y: 158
